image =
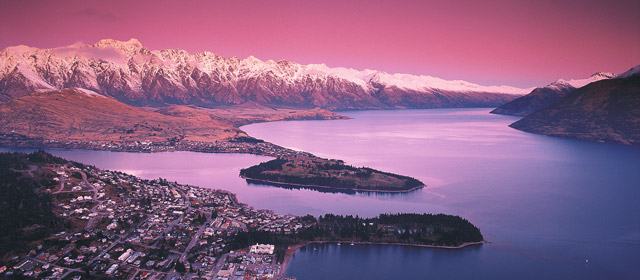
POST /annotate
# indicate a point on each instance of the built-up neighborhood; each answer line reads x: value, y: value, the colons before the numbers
x: 123, y: 227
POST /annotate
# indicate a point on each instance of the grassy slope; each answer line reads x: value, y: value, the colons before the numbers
x: 70, y: 114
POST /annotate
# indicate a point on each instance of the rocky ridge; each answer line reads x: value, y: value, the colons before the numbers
x: 135, y: 75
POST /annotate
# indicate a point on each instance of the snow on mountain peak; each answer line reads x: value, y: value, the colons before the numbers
x: 126, y: 67
x: 252, y: 60
x: 578, y: 83
x: 605, y: 75
x: 103, y: 52
x: 128, y: 47
x: 112, y: 42
x: 407, y: 81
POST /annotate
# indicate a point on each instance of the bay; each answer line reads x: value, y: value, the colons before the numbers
x: 545, y: 205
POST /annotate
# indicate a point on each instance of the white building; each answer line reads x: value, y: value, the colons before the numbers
x: 263, y: 249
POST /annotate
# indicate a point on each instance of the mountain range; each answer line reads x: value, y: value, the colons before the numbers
x: 607, y: 110
x: 121, y: 91
x: 135, y: 75
x: 544, y: 96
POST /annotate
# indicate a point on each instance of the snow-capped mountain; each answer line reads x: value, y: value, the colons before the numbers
x: 130, y: 73
x: 604, y: 111
x: 543, y: 96
x: 578, y: 83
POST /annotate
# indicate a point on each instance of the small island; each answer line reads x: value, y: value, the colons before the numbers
x: 65, y: 220
x: 326, y: 175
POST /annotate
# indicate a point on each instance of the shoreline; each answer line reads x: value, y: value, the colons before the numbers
x: 291, y: 250
x: 261, y: 149
x: 294, y: 185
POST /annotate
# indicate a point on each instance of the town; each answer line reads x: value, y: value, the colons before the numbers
x: 247, y: 145
x: 120, y: 226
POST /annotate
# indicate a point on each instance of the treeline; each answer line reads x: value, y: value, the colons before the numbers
x: 427, y: 229
x: 256, y: 170
x: 25, y: 207
x: 418, y: 229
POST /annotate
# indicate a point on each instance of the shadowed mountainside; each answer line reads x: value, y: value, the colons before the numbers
x: 534, y: 101
x: 604, y: 111
x: 545, y: 96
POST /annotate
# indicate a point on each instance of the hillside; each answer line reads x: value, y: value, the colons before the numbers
x: 82, y: 115
x: 544, y: 96
x: 534, y: 101
x: 132, y: 74
x: 604, y: 111
x: 76, y: 114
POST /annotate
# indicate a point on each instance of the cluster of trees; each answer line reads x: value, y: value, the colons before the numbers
x: 201, y: 218
x: 422, y: 229
x: 26, y: 210
x: 437, y: 229
x: 257, y: 170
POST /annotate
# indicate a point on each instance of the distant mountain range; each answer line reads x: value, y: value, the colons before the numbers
x: 134, y: 75
x: 95, y: 92
x: 603, y: 111
x: 544, y: 96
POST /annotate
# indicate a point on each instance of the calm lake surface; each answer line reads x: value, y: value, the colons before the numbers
x: 544, y: 204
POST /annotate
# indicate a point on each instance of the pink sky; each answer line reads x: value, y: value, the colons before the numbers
x: 486, y: 42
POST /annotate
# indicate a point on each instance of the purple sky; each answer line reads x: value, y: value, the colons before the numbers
x: 486, y: 42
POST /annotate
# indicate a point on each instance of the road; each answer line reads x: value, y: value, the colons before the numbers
x: 61, y: 180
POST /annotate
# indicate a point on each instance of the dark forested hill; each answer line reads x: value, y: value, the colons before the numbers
x: 604, y: 111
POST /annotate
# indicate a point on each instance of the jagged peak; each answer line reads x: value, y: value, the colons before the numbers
x: 560, y: 83
x: 127, y: 46
x: 605, y: 75
x: 123, y: 54
x: 252, y: 59
x: 578, y: 83
x: 112, y: 42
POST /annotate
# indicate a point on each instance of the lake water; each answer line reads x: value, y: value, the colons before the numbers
x: 544, y: 204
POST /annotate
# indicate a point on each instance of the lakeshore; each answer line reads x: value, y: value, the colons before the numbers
x: 203, y: 229
x: 340, y: 177
x: 495, y: 195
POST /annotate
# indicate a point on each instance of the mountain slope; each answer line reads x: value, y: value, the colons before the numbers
x: 544, y: 96
x: 604, y: 111
x: 137, y: 76
x: 79, y: 114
